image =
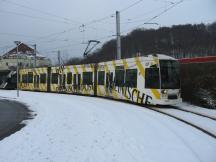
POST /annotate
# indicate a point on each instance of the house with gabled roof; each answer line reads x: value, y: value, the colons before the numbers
x: 26, y: 57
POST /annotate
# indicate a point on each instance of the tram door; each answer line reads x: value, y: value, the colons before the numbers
x: 79, y: 81
x: 76, y: 81
x: 36, y: 81
x: 62, y: 80
x: 109, y: 80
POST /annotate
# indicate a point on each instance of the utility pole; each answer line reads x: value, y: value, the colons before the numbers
x: 59, y: 58
x: 17, y: 59
x: 118, y: 34
x: 35, y: 53
x: 17, y: 72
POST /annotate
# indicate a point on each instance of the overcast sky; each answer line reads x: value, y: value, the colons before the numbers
x: 57, y: 24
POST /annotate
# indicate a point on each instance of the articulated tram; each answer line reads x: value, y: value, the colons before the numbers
x: 152, y: 79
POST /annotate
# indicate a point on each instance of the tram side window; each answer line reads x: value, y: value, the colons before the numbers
x: 54, y: 78
x: 43, y: 78
x: 119, y: 77
x: 101, y: 75
x: 87, y: 78
x: 69, y: 78
x: 75, y: 79
x: 30, y: 77
x: 152, y: 79
x: 131, y: 78
x: 109, y: 79
x: 62, y: 79
x: 24, y: 78
x: 78, y: 79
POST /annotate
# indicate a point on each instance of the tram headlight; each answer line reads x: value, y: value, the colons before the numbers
x: 164, y: 91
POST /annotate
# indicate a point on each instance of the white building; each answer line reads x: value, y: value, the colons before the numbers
x: 26, y: 57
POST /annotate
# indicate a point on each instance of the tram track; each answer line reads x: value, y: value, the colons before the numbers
x: 176, y: 114
x: 196, y: 113
x: 163, y: 110
x: 193, y: 112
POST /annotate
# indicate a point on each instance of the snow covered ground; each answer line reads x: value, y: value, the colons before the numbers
x: 204, y: 111
x: 207, y: 124
x: 83, y: 129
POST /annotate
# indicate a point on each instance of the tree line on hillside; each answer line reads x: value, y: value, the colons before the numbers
x: 179, y: 41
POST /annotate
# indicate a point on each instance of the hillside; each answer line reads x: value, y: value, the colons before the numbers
x: 178, y: 41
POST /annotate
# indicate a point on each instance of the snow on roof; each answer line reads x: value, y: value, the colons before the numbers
x: 161, y: 56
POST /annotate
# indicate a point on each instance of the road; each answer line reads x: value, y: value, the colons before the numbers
x: 12, y: 113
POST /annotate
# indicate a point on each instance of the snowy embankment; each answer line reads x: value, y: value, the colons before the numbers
x: 75, y: 128
x: 197, y: 109
x: 200, y: 121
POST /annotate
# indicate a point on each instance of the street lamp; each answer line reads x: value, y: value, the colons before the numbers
x: 17, y: 43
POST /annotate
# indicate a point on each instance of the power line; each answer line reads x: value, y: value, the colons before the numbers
x: 145, y: 13
x: 113, y: 14
x: 66, y: 48
x: 96, y: 28
x: 33, y: 17
x: 92, y: 22
x: 22, y: 35
x: 64, y: 32
x: 58, y: 33
x: 130, y: 6
x: 74, y: 44
x: 49, y: 49
x: 47, y: 19
x: 158, y: 15
x: 42, y: 12
x: 137, y: 2
x: 169, y: 8
x: 110, y: 16
x: 130, y: 20
x: 165, y: 1
x: 59, y: 40
x: 68, y: 30
x: 67, y: 19
x: 102, y: 19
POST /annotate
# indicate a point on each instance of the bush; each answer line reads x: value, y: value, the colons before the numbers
x: 198, y: 81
